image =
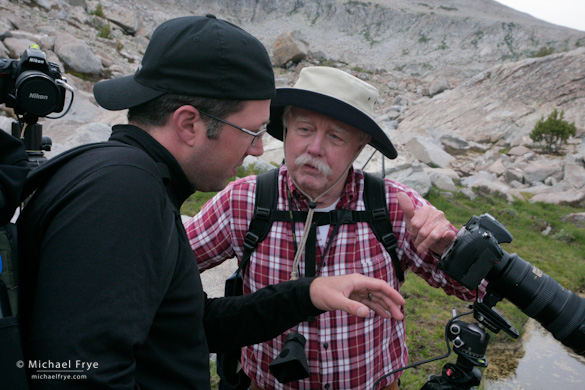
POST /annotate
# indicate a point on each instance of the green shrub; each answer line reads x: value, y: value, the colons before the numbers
x: 99, y: 11
x: 544, y: 51
x: 423, y: 38
x: 554, y: 131
x: 105, y: 31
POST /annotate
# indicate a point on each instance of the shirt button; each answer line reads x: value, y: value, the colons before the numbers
x: 327, y: 386
x: 325, y: 345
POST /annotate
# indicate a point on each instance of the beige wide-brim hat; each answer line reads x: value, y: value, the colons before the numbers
x: 336, y: 94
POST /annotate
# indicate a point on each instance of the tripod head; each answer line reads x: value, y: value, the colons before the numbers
x: 30, y: 132
x: 470, y: 342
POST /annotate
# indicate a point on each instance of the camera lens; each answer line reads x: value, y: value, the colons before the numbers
x: 539, y: 296
x: 36, y: 93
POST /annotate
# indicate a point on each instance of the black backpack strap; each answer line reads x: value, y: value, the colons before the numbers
x: 14, y: 168
x: 375, y: 200
x: 266, y: 202
x: 40, y: 175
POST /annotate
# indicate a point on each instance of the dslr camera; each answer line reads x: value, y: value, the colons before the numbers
x: 32, y: 85
x: 476, y: 254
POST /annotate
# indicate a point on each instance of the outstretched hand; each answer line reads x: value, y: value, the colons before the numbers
x: 428, y: 227
x: 357, y: 294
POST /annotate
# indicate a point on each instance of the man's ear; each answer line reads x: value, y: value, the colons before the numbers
x: 188, y: 125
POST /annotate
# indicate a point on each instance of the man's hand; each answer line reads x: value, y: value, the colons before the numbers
x: 357, y: 294
x: 427, y: 226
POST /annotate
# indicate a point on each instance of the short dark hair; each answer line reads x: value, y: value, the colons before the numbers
x: 155, y: 113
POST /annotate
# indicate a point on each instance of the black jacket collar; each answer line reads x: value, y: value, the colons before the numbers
x: 177, y: 184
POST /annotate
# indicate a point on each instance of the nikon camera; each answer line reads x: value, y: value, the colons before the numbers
x: 476, y: 254
x: 32, y: 85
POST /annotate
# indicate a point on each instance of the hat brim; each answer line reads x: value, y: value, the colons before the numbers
x: 122, y: 93
x: 331, y: 107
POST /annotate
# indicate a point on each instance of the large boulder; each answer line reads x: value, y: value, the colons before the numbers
x: 574, y: 171
x: 540, y: 170
x: 289, y: 46
x: 77, y: 55
x: 429, y: 151
x: 571, y: 197
x: 412, y: 175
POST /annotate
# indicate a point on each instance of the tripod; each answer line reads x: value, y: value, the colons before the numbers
x: 30, y: 132
x: 470, y: 341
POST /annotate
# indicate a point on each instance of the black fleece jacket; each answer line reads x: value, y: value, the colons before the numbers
x: 109, y: 278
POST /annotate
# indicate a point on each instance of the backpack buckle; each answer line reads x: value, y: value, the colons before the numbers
x: 378, y: 214
x: 251, y: 241
x: 389, y: 241
x: 347, y: 217
x: 262, y: 213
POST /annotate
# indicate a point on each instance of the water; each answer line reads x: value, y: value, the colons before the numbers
x: 546, y: 364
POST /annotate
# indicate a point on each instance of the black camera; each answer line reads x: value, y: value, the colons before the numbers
x: 291, y: 363
x: 475, y: 255
x: 32, y: 85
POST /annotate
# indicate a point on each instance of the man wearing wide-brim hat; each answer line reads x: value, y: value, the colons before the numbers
x: 325, y: 121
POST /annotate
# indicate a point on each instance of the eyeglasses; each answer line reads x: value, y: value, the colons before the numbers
x: 256, y: 134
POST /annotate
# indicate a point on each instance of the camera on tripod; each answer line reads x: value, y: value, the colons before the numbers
x: 34, y: 88
x: 475, y: 254
x: 32, y: 85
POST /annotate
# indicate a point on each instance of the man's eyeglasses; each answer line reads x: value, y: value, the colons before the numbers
x: 256, y: 134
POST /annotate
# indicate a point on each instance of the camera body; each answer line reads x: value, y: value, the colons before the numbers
x: 32, y: 85
x: 291, y: 363
x: 475, y: 250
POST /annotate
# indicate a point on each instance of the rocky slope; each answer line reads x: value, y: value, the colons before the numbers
x: 459, y: 89
x: 454, y: 38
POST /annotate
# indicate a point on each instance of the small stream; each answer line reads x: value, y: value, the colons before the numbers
x: 547, y: 364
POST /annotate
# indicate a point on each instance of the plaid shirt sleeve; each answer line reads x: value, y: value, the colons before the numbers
x: 423, y: 264
x: 214, y: 231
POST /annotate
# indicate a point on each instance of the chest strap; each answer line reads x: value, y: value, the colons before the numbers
x: 265, y: 213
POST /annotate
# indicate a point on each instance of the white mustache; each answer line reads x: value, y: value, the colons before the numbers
x: 321, y: 166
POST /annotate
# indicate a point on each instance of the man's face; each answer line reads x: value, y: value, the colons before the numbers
x: 318, y: 150
x: 224, y: 154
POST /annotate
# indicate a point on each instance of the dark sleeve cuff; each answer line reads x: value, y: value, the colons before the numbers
x: 250, y: 319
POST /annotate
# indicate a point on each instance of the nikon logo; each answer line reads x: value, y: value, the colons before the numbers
x: 34, y: 95
x: 32, y: 59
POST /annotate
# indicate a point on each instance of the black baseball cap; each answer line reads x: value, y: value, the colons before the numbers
x: 195, y: 56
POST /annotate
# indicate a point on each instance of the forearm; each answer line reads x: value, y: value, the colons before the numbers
x: 250, y: 319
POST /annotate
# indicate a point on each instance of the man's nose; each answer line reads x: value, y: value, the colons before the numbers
x: 316, y: 144
x: 256, y: 149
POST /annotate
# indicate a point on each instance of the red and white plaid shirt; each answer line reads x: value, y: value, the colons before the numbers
x: 343, y: 351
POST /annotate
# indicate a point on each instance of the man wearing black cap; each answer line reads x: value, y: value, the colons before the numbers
x: 111, y: 293
x: 325, y: 120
